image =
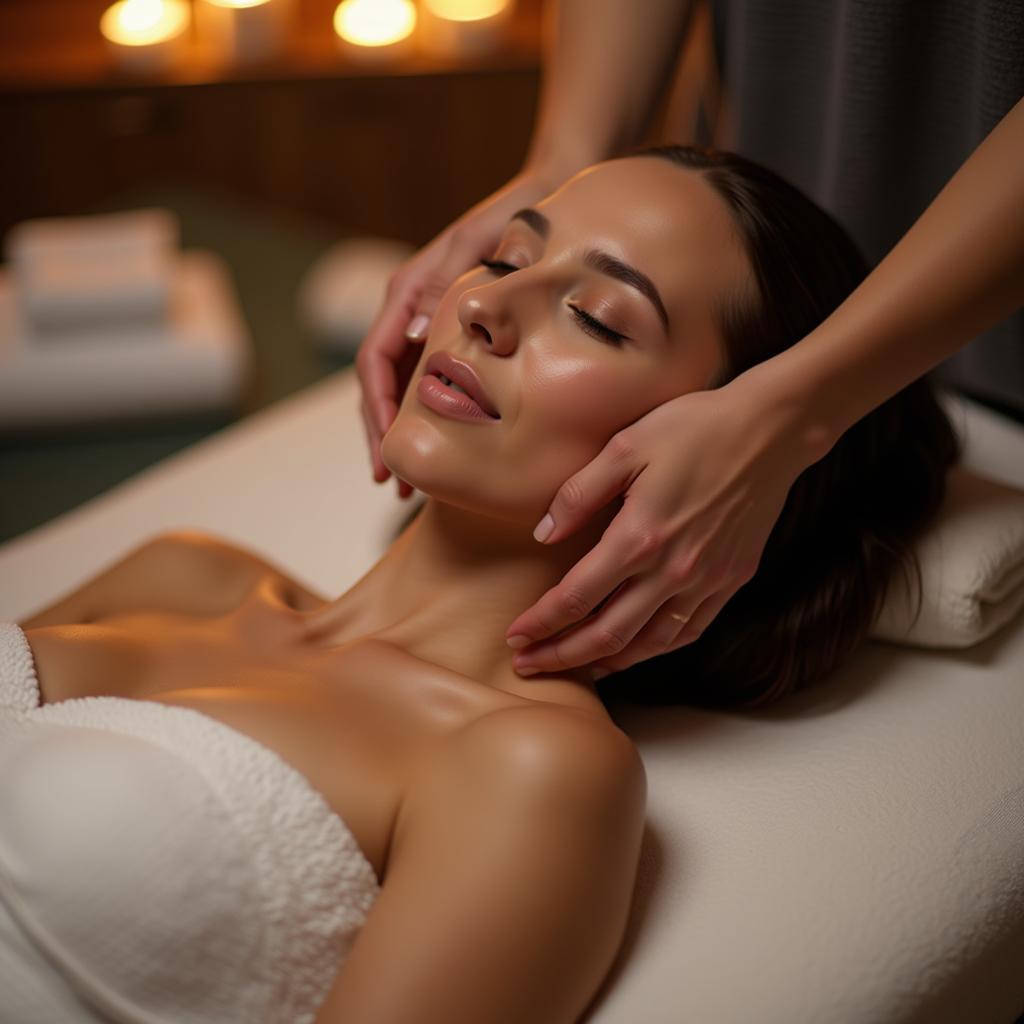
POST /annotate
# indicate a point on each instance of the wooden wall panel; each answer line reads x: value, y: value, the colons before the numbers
x: 397, y: 156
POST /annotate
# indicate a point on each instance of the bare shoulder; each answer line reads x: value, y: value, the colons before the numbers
x: 203, y: 555
x: 549, y: 753
x: 550, y: 741
x: 187, y: 570
x: 206, y: 551
x: 509, y: 879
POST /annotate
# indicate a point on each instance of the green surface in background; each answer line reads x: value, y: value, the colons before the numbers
x: 45, y: 473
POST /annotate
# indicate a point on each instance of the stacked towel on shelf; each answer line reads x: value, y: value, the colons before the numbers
x: 104, y: 318
x: 107, y: 271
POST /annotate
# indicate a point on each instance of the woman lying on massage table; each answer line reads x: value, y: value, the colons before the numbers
x: 502, y: 816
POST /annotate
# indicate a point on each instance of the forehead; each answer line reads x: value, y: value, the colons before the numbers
x: 664, y: 219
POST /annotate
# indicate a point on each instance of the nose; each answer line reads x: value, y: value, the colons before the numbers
x: 485, y: 315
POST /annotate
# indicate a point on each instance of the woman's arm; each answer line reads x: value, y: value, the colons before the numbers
x: 509, y: 881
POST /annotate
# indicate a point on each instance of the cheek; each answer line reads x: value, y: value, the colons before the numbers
x: 569, y: 410
x: 564, y: 398
x: 562, y: 411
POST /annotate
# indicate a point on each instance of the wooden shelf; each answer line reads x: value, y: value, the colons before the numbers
x: 55, y: 45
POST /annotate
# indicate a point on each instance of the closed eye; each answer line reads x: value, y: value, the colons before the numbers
x: 591, y: 325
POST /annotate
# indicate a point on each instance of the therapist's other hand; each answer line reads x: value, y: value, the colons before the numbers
x: 705, y: 477
x: 388, y: 355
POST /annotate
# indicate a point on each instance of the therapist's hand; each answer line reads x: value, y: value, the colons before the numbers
x: 704, y: 477
x: 390, y: 351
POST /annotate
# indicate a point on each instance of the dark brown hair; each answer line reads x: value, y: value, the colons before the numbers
x: 850, y: 519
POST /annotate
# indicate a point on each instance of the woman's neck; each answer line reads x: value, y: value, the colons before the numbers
x: 447, y: 589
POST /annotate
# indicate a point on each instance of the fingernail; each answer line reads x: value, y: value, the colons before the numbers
x: 526, y: 670
x: 517, y: 641
x: 599, y: 673
x: 544, y: 528
x: 418, y: 327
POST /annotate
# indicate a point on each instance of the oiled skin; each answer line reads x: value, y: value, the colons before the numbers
x: 190, y: 620
x: 504, y: 814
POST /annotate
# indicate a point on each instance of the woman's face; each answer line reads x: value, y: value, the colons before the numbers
x: 561, y: 389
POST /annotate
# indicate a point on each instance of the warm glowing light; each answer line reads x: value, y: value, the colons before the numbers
x: 465, y: 10
x: 238, y: 3
x: 374, y: 22
x: 144, y: 22
x: 243, y: 31
x: 464, y: 29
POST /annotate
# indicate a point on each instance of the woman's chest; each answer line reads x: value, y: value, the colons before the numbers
x: 355, y: 721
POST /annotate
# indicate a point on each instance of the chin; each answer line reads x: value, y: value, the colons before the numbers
x: 409, y: 454
x: 418, y: 453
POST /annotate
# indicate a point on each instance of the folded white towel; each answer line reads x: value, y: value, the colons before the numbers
x: 972, y: 568
x: 101, y: 270
x: 198, y: 362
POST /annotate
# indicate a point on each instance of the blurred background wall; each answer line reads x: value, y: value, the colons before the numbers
x: 399, y: 149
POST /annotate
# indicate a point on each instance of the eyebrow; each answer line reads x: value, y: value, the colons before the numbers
x: 603, y: 262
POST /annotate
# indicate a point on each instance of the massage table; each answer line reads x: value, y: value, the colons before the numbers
x: 852, y: 856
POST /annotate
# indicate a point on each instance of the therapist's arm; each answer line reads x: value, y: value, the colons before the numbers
x: 605, y: 66
x: 958, y: 271
x: 723, y: 461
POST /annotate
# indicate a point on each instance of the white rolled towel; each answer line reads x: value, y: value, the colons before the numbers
x: 972, y: 568
x: 103, y: 270
x: 343, y: 291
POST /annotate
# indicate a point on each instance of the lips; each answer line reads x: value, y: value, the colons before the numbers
x: 442, y: 364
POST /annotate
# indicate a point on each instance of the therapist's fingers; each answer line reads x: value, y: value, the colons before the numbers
x: 701, y: 618
x: 474, y: 236
x: 607, y: 475
x: 608, y: 635
x: 459, y: 253
x: 660, y: 635
x: 621, y: 552
x: 377, y: 362
x: 388, y: 355
x: 671, y: 628
x: 415, y: 289
x: 405, y: 368
x: 626, y: 545
x: 380, y: 471
x: 373, y: 438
